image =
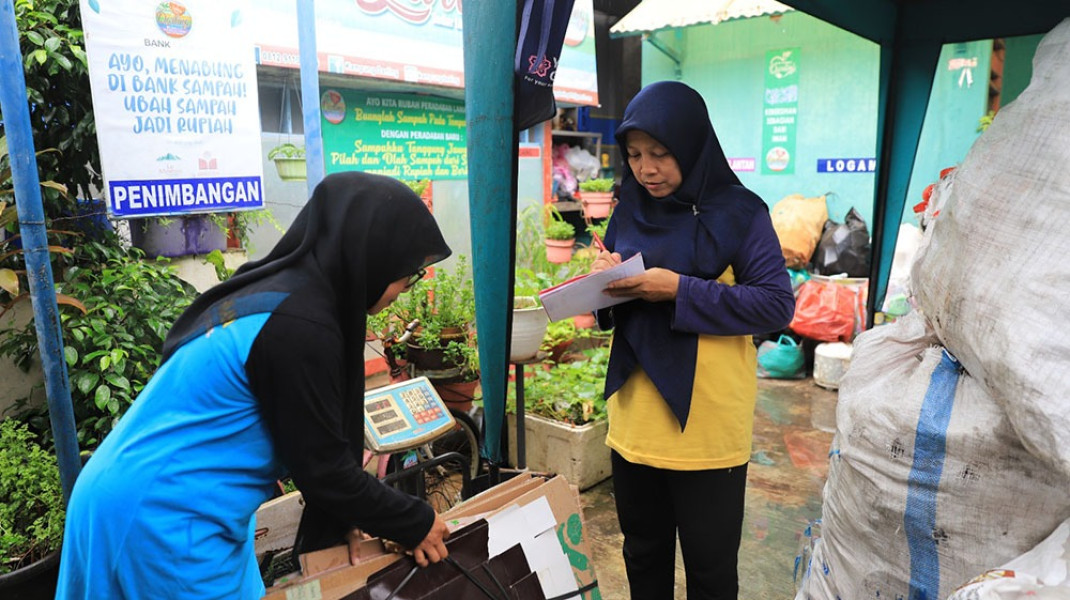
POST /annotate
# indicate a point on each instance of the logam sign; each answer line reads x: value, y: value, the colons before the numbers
x: 401, y: 135
x: 175, y: 100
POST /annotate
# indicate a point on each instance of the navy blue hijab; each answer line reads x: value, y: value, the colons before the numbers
x: 696, y: 232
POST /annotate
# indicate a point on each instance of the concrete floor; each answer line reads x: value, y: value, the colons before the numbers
x: 793, y: 427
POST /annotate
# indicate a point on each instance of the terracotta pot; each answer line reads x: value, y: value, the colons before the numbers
x: 596, y: 205
x: 585, y: 321
x: 433, y: 363
x: 457, y: 395
x: 559, y: 251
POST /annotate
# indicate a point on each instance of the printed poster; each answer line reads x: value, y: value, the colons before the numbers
x: 780, y: 111
x: 175, y: 99
x: 405, y: 136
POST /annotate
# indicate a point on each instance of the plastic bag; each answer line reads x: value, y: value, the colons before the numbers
x: 782, y: 359
x: 844, y: 248
x: 824, y: 311
x: 798, y: 222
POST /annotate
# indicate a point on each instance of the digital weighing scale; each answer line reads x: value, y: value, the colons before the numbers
x: 404, y: 415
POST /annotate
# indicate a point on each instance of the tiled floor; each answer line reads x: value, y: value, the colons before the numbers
x: 793, y: 427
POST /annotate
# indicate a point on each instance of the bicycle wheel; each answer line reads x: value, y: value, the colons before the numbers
x: 444, y: 483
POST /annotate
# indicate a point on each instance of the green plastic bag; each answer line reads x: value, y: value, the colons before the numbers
x: 782, y: 359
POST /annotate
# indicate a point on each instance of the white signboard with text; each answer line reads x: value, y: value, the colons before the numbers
x: 175, y: 99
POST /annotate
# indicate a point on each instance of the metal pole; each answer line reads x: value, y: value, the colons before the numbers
x: 489, y: 46
x: 31, y: 213
x: 310, y: 92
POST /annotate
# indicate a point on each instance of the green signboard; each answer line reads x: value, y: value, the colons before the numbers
x: 401, y: 135
x: 781, y: 108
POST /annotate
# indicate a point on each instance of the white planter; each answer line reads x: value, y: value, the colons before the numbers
x: 529, y: 328
x: 579, y: 453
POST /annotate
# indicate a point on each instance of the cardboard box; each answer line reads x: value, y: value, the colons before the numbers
x: 520, y: 491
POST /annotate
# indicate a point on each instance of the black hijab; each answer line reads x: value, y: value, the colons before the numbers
x: 355, y: 236
x: 695, y: 232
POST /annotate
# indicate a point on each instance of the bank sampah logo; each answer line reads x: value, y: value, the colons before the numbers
x: 782, y: 65
x: 173, y: 20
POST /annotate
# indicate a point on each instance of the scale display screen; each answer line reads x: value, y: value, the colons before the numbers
x: 404, y: 415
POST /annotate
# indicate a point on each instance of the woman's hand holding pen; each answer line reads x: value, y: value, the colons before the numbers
x: 653, y: 285
x: 605, y: 260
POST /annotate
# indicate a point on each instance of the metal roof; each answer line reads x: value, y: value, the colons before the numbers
x: 655, y: 15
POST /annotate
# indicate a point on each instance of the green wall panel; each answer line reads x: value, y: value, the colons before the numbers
x: 838, y: 93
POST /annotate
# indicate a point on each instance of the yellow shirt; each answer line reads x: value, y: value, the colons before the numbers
x: 643, y: 429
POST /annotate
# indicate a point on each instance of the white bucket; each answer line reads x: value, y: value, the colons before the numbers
x: 830, y: 363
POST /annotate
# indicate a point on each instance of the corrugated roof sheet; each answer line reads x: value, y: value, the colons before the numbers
x: 654, y: 15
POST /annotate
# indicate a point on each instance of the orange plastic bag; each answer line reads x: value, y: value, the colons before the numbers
x: 798, y: 222
x: 825, y: 312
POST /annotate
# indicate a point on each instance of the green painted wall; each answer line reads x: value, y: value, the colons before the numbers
x: 837, y: 116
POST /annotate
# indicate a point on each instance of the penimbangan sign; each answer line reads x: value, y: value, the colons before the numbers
x: 175, y: 101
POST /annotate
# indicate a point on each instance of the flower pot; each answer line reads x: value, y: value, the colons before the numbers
x: 36, y: 580
x: 291, y: 169
x: 559, y: 251
x: 457, y: 394
x: 433, y: 363
x: 181, y: 236
x: 584, y: 321
x: 529, y: 328
x: 577, y: 452
x: 596, y: 205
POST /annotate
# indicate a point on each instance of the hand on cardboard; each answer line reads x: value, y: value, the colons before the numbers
x: 654, y: 285
x: 433, y: 548
x: 605, y: 260
x: 353, y: 539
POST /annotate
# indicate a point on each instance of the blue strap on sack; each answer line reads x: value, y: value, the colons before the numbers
x: 538, y: 49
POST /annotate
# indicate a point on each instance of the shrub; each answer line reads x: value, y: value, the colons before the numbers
x: 31, y: 499
x: 114, y: 348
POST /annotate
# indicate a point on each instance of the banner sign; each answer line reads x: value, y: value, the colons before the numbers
x: 414, y: 41
x: 401, y: 135
x: 175, y: 101
x: 742, y: 165
x: 781, y: 107
x: 846, y: 165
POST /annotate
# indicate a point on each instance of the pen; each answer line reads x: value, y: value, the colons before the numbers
x: 598, y: 241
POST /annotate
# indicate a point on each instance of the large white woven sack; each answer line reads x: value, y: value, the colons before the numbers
x: 925, y: 489
x: 1043, y: 573
x: 994, y: 273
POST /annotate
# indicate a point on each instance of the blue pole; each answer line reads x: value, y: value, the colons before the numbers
x: 488, y: 73
x: 310, y: 92
x: 35, y: 248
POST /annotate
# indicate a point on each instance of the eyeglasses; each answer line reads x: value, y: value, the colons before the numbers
x: 415, y: 277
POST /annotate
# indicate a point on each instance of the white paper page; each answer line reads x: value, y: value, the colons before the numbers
x: 548, y: 561
x: 584, y: 295
x: 517, y: 524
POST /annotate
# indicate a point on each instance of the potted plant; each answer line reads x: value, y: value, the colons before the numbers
x: 565, y: 420
x: 460, y: 391
x: 31, y: 513
x: 560, y: 237
x: 597, y: 197
x: 289, y: 161
x: 445, y: 306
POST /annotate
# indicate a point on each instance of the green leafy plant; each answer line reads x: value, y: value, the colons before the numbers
x: 31, y: 499
x: 598, y: 228
x: 286, y: 150
x: 222, y: 271
x: 444, y: 301
x: 419, y: 185
x: 597, y: 185
x: 61, y: 111
x: 114, y: 347
x: 557, y: 228
x: 986, y: 120
x: 568, y: 392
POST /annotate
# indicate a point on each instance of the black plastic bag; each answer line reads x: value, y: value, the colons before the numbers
x: 844, y: 248
x: 542, y: 25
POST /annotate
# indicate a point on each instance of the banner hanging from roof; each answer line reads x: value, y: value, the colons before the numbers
x: 411, y: 41
x: 175, y: 102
